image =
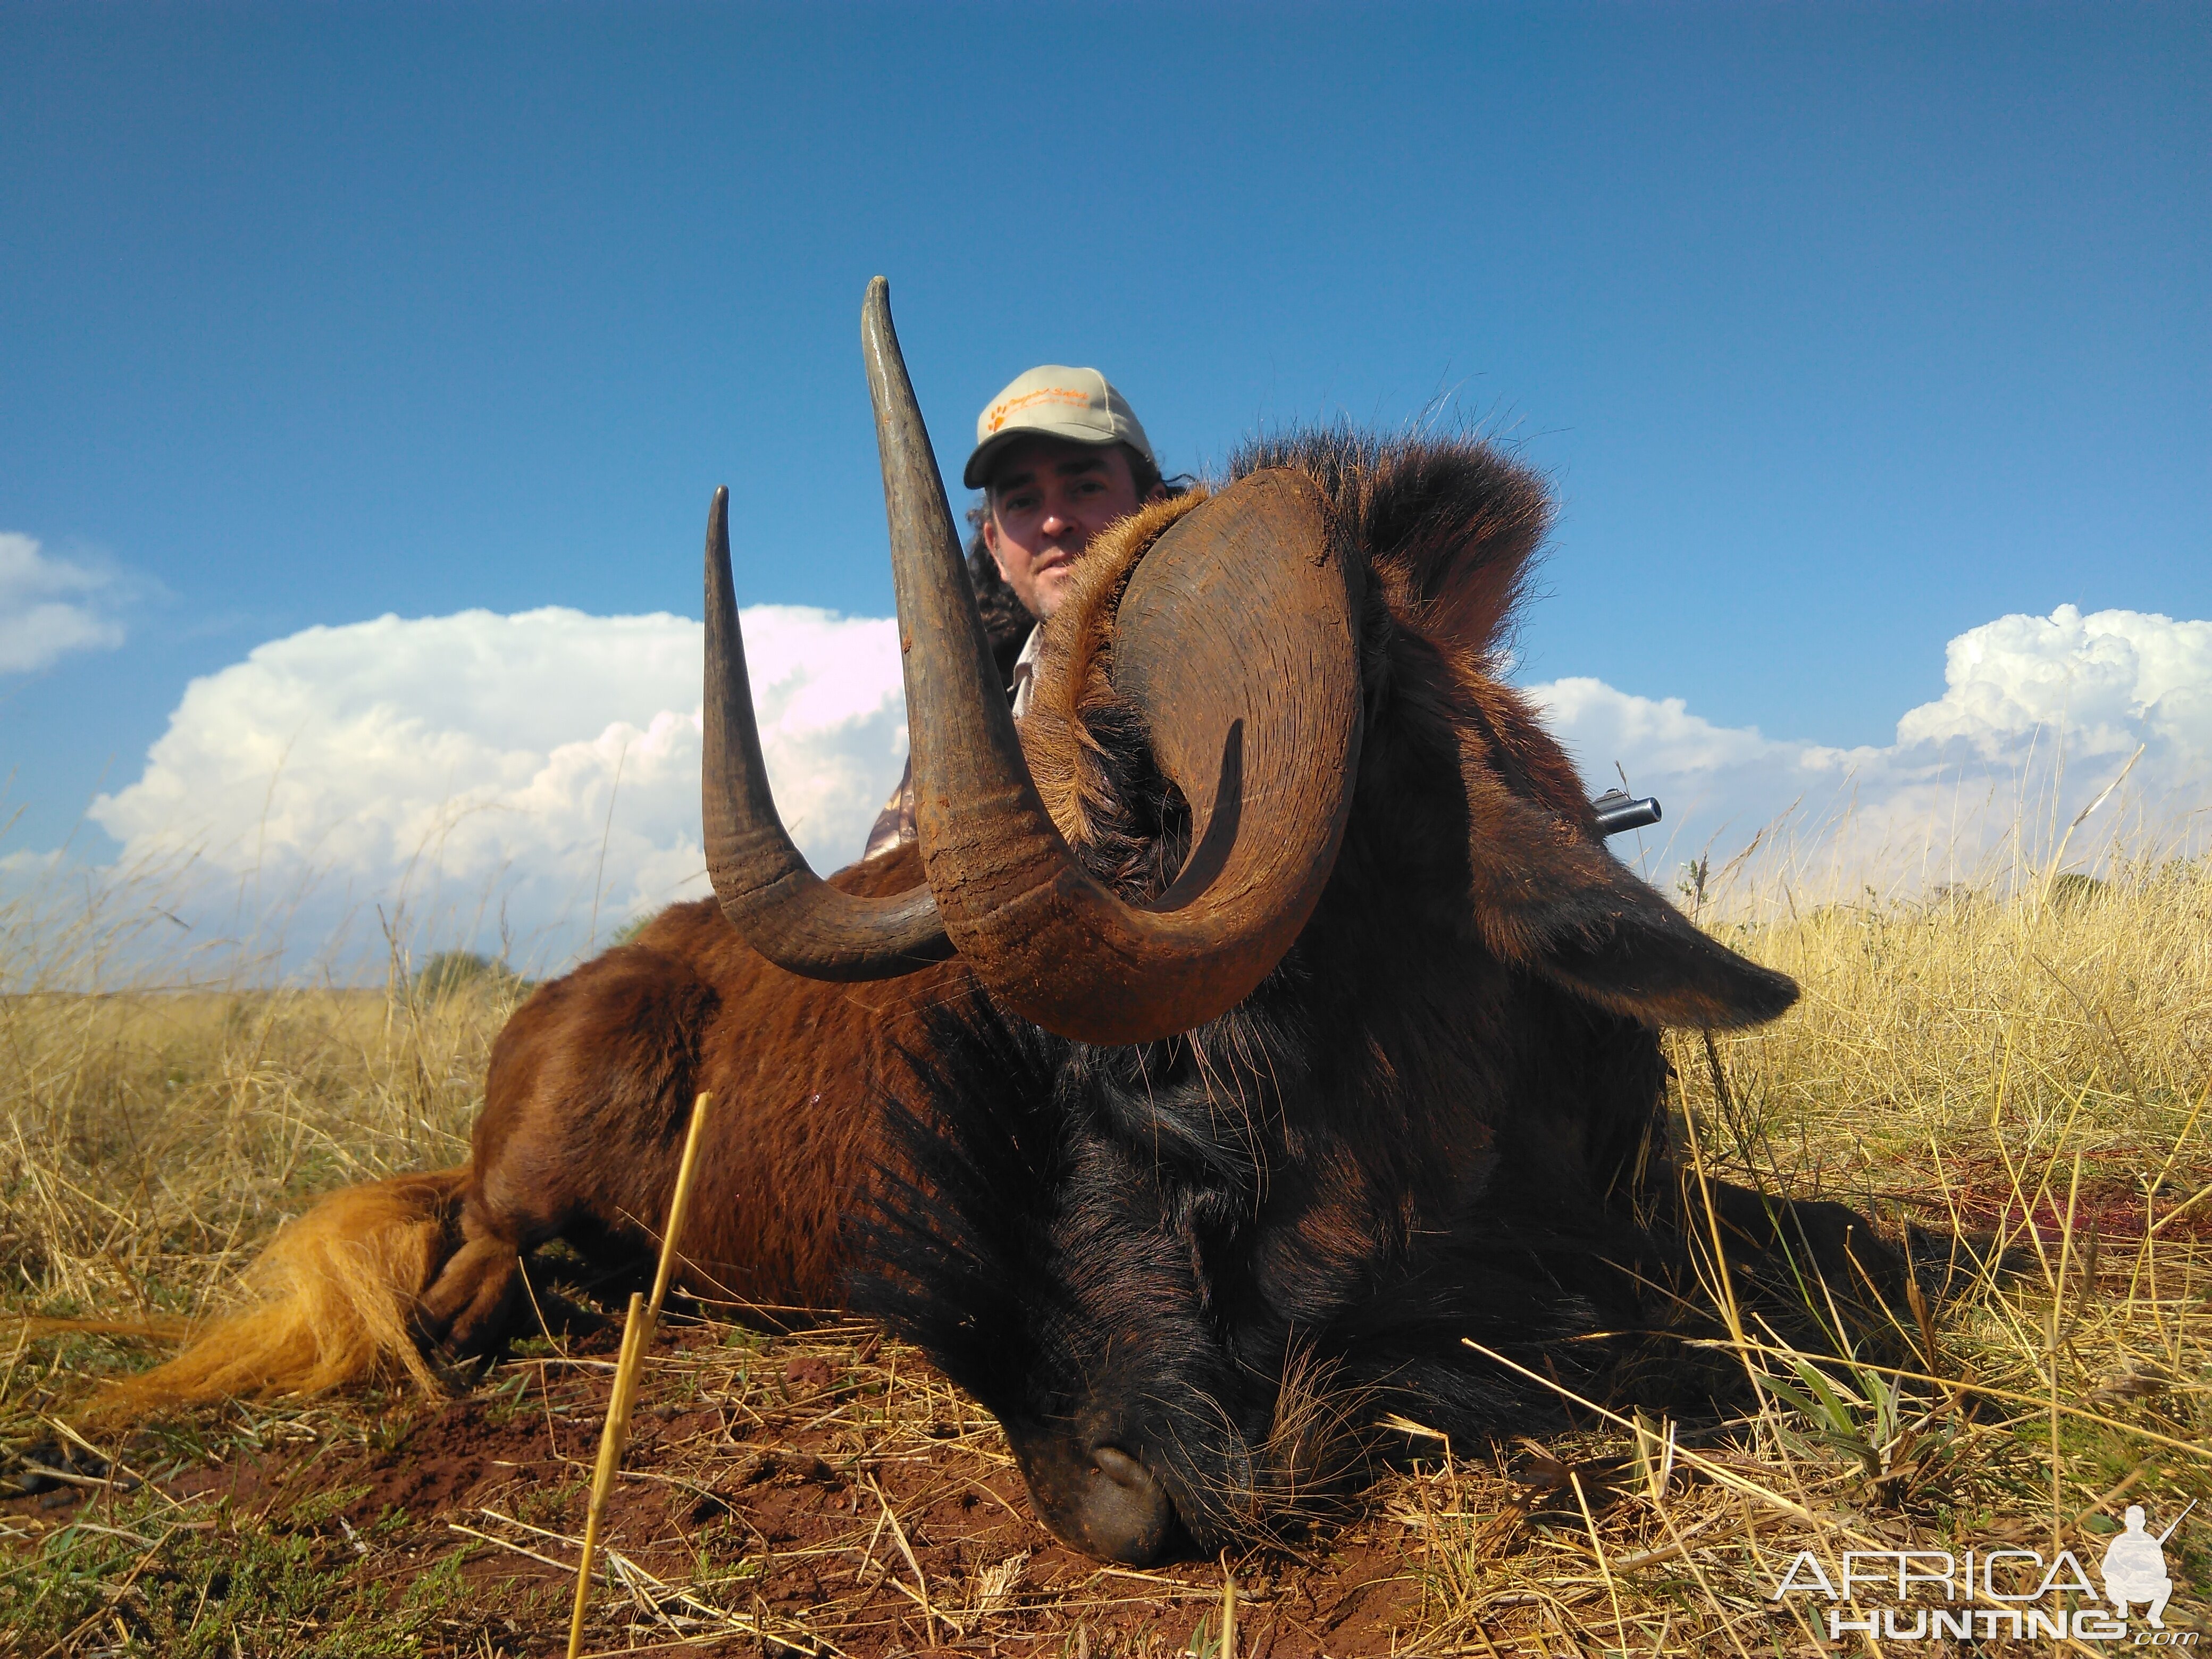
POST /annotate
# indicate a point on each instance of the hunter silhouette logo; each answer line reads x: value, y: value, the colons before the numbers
x: 2135, y: 1567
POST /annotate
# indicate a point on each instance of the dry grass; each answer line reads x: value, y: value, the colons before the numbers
x: 2038, y: 1064
x: 152, y: 1139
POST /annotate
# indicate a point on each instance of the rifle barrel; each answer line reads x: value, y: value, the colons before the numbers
x: 1617, y: 812
x: 2177, y: 1520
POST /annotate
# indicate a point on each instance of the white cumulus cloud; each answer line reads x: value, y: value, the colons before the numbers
x: 541, y: 771
x: 543, y: 767
x: 49, y: 606
x: 2039, y: 715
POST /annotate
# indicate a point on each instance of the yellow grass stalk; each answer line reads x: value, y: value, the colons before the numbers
x: 638, y: 1325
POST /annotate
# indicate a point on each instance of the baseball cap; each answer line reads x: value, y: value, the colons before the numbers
x: 1053, y: 401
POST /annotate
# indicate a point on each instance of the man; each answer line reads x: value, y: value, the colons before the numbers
x: 2134, y: 1570
x: 1059, y: 457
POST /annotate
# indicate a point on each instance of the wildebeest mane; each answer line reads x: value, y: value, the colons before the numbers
x: 1452, y: 527
x: 957, y: 1240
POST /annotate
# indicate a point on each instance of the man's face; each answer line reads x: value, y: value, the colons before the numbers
x: 1048, y: 499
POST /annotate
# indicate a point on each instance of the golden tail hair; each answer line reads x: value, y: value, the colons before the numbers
x: 333, y: 1297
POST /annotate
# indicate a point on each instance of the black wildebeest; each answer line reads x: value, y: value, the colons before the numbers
x: 1260, y: 1017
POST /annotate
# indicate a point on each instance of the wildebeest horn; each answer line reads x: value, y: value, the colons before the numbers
x: 784, y: 910
x: 1235, y: 639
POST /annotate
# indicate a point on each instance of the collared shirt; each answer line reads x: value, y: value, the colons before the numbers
x: 1025, y: 672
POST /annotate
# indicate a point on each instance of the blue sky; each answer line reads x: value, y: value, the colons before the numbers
x: 1842, y: 330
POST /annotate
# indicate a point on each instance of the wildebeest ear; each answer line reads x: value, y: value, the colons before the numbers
x: 1545, y: 896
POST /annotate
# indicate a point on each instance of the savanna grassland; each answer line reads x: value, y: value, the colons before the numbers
x: 2029, y: 1062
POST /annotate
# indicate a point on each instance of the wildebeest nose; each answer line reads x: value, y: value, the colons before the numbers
x: 1097, y: 1498
x: 1125, y: 1512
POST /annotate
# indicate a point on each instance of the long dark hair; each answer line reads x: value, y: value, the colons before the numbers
x: 1005, y: 619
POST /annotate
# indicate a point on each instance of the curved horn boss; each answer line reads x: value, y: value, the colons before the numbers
x: 1256, y: 721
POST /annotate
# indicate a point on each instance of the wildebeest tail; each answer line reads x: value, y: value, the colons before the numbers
x: 330, y: 1302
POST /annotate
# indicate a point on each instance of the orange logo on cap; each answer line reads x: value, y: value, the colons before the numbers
x: 1058, y: 394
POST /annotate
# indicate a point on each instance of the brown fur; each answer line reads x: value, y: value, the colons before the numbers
x: 587, y: 1101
